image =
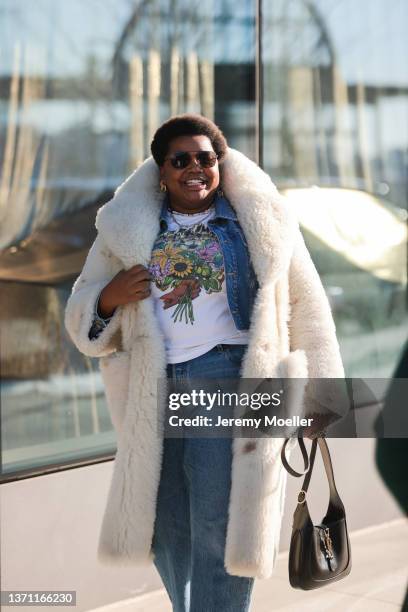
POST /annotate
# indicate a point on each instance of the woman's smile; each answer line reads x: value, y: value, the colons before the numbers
x: 195, y: 184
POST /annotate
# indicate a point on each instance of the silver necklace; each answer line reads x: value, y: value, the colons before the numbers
x: 210, y: 210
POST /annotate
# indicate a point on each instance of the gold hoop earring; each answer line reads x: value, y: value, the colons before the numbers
x: 163, y: 186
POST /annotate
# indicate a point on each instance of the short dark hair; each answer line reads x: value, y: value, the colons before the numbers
x: 186, y: 125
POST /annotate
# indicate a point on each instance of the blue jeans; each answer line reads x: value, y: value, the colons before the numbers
x: 192, y: 507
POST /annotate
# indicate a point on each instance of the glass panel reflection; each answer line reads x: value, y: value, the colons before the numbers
x: 52, y: 403
x: 81, y: 93
x: 336, y: 115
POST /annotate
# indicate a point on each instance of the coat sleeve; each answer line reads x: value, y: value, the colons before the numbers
x: 312, y: 329
x: 99, y: 268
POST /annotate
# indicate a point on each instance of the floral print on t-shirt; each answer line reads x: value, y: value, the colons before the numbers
x: 186, y: 261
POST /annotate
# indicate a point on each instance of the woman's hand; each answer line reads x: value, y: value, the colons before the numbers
x: 127, y: 286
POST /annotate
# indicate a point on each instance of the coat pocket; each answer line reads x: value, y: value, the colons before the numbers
x: 115, y: 370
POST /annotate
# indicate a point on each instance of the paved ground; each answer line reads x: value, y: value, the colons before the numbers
x: 377, y: 581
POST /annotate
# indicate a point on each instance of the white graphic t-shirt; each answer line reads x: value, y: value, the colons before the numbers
x: 189, y: 288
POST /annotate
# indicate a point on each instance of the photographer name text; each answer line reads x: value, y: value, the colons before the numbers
x: 266, y: 421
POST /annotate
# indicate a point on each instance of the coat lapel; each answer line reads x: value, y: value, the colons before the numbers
x: 129, y: 223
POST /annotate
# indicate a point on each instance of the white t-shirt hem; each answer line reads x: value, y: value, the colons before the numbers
x: 186, y: 354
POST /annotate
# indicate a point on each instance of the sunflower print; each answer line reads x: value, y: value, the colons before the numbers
x: 181, y: 268
x: 183, y: 263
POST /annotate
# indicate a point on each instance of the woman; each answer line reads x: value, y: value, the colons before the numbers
x: 198, y: 269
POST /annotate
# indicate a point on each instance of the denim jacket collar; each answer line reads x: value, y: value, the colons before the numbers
x: 223, y: 209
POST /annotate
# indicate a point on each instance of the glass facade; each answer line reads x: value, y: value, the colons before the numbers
x: 335, y: 128
x: 314, y: 91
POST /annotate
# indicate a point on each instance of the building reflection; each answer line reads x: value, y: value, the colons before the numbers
x: 81, y: 96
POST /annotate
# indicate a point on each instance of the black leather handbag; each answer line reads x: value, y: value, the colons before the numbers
x: 318, y: 554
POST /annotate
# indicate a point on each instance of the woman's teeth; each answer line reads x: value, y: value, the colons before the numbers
x: 195, y: 182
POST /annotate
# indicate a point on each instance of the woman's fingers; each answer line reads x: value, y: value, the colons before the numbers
x: 137, y: 280
x: 138, y: 273
x: 139, y: 290
x: 138, y: 286
x: 127, y: 286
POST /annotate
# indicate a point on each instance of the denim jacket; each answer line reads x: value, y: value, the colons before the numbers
x: 241, y: 281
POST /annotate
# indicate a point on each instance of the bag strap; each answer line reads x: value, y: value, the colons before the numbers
x: 309, y: 463
x: 305, y: 457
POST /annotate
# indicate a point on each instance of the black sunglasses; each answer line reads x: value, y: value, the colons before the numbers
x: 182, y: 159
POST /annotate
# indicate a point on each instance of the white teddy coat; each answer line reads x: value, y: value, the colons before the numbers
x: 291, y: 334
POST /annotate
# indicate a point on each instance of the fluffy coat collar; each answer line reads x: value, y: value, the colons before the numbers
x: 130, y: 222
